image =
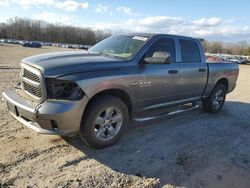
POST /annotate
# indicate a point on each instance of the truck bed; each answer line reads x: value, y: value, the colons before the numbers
x: 219, y: 70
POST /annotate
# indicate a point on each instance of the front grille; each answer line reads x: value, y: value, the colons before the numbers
x: 30, y: 75
x: 36, y: 91
x: 32, y: 82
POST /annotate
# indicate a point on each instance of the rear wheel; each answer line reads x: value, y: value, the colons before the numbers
x: 215, y: 101
x: 104, y: 121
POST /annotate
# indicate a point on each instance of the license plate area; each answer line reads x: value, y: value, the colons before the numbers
x: 12, y: 108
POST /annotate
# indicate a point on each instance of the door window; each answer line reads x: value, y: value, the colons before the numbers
x: 163, y: 45
x: 190, y: 52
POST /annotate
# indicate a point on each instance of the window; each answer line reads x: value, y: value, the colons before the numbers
x: 163, y: 45
x: 122, y: 46
x: 189, y: 51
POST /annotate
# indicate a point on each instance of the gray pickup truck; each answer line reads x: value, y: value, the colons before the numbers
x: 125, y: 77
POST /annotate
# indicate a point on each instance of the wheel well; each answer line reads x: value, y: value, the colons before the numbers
x: 224, y: 81
x: 117, y: 93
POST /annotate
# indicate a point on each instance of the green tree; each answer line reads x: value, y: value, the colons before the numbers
x: 248, y: 51
x: 216, y: 47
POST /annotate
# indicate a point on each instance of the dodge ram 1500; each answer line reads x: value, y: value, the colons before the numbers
x: 125, y: 77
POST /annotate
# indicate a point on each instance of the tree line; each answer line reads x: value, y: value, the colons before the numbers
x: 37, y: 30
x: 240, y: 48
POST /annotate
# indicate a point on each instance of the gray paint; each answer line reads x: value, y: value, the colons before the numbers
x: 149, y: 86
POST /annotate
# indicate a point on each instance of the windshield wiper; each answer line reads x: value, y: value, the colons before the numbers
x: 107, y: 54
x: 110, y: 55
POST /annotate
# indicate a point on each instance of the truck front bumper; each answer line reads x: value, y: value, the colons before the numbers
x: 57, y: 117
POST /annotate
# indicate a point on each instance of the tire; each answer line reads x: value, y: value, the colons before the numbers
x: 104, y: 121
x: 215, y: 101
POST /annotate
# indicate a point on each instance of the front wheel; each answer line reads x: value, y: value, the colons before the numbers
x: 215, y: 101
x: 104, y: 121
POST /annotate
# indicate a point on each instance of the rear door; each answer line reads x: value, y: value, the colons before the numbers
x: 193, y: 70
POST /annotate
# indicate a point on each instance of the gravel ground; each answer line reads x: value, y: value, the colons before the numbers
x: 193, y: 149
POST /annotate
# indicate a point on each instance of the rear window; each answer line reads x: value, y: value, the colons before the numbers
x: 190, y: 52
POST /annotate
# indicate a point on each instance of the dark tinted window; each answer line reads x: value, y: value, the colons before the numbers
x: 189, y: 51
x: 163, y: 45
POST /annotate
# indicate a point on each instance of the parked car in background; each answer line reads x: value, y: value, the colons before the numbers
x: 10, y: 41
x: 2, y: 40
x: 248, y: 59
x: 83, y: 47
x: 32, y: 44
x: 21, y: 42
x: 237, y: 60
x: 46, y: 43
x: 213, y: 58
x: 71, y: 46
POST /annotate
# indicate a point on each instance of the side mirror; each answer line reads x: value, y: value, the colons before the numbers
x: 159, y: 57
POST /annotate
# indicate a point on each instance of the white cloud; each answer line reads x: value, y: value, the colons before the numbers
x: 51, y: 17
x: 84, y: 5
x: 160, y: 21
x: 67, y: 5
x: 227, y: 33
x: 207, y: 21
x: 101, y: 9
x: 4, y: 2
x: 28, y: 3
x: 203, y: 32
x: 70, y: 5
x: 148, y: 24
x: 214, y: 29
x: 125, y: 10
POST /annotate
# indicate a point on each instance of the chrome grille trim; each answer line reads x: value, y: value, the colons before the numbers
x: 33, y: 83
x: 33, y: 90
x: 37, y: 84
x: 30, y: 75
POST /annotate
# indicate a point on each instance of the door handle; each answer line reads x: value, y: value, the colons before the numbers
x: 172, y: 71
x: 202, y: 70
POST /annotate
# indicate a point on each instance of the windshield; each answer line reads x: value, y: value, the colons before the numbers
x: 122, y: 46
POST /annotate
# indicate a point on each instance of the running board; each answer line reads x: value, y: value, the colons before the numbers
x: 167, y: 114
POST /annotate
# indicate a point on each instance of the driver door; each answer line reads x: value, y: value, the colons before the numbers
x: 157, y: 81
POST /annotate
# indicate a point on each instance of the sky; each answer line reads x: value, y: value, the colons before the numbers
x: 215, y: 20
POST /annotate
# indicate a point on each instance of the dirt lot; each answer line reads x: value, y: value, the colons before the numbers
x: 193, y: 149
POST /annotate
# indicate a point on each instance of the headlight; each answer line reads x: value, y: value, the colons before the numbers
x: 63, y: 89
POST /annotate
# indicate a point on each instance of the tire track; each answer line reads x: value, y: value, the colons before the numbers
x: 29, y: 156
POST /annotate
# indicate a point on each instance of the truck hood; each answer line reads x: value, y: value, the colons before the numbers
x: 65, y: 63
